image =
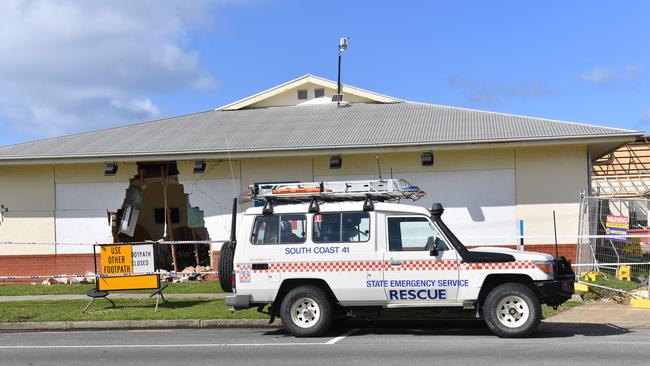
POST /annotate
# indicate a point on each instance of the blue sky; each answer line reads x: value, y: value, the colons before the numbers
x: 78, y: 66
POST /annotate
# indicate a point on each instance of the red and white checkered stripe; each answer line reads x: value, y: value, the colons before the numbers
x: 416, y: 265
x: 504, y: 265
x: 325, y: 267
x: 244, y: 273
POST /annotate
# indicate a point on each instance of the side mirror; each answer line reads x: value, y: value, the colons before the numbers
x: 431, y: 246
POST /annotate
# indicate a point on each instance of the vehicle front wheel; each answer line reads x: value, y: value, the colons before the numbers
x: 512, y: 310
x: 306, y: 311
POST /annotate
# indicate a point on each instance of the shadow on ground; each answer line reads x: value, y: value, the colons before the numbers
x: 461, y: 328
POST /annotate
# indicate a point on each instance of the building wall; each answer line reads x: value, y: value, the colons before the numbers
x: 547, y: 180
x: 83, y: 197
x: 485, y: 192
x: 28, y: 194
x: 212, y: 192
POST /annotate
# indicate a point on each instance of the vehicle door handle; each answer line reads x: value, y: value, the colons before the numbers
x: 395, y: 263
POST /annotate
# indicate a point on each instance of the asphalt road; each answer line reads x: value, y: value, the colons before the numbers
x: 466, y: 344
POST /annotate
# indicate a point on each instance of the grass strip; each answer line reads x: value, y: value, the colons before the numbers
x: 203, y: 287
x: 125, y: 309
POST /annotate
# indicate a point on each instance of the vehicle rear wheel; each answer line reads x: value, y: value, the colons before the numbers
x: 306, y: 311
x: 512, y: 310
x: 226, y: 259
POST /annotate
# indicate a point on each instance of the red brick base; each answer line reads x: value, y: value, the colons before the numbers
x: 44, y: 265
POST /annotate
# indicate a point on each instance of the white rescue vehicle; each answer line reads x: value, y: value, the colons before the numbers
x: 339, y: 246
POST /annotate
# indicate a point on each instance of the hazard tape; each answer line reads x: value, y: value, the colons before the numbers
x: 176, y: 242
x: 35, y: 277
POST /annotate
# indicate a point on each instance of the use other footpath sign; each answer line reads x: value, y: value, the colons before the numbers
x: 116, y: 259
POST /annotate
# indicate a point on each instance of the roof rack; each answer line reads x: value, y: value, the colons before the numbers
x: 356, y: 190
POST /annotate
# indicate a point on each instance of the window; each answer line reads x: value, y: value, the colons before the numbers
x: 302, y: 94
x: 279, y: 229
x: 413, y: 234
x: 159, y: 215
x: 318, y: 93
x: 341, y: 227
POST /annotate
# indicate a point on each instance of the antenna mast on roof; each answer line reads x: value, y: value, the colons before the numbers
x: 343, y: 45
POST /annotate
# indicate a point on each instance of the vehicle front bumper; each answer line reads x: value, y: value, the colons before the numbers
x: 238, y: 302
x: 557, y: 291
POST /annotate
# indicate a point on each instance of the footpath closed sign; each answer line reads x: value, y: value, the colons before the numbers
x: 142, y: 258
x: 125, y: 267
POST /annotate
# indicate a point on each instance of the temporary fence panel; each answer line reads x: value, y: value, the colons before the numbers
x: 614, y: 244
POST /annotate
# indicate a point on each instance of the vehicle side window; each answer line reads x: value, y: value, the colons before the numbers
x: 413, y: 234
x: 279, y: 229
x: 346, y: 227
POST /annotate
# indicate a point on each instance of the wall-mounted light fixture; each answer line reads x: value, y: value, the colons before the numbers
x: 336, y: 161
x: 427, y: 158
x: 110, y: 168
x: 199, y: 166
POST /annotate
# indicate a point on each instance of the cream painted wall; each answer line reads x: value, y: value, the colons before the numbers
x: 504, y: 185
x: 479, y: 204
x: 28, y: 193
x: 290, y: 97
x: 547, y: 180
x: 284, y: 169
x: 212, y: 192
x: 94, y: 173
x: 411, y: 162
x: 83, y: 195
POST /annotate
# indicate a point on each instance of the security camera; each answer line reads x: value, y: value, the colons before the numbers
x: 343, y: 43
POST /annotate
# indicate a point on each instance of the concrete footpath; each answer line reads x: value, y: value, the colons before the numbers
x: 112, y: 296
x: 618, y: 315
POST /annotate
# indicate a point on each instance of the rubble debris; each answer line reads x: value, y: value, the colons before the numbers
x: 189, y: 269
x: 50, y: 281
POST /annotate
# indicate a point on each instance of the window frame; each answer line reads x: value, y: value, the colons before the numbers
x: 341, y: 227
x: 450, y: 248
x: 315, y: 93
x: 279, y: 216
x: 306, y: 94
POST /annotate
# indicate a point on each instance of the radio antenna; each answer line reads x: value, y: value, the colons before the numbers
x: 378, y: 166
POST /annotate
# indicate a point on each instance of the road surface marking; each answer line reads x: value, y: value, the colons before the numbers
x: 334, y: 340
x: 148, y: 330
x: 165, y: 345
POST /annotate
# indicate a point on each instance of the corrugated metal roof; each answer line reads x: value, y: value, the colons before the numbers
x: 313, y: 127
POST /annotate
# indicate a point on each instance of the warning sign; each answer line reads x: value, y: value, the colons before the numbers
x: 116, y: 259
x: 617, y: 225
x: 142, y: 257
x: 127, y: 267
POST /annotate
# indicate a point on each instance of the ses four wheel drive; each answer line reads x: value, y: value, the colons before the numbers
x: 339, y: 246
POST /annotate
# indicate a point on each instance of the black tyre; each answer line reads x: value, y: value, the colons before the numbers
x: 225, y: 268
x: 306, y: 311
x: 512, y: 310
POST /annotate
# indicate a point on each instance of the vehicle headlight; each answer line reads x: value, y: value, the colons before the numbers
x: 546, y: 267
